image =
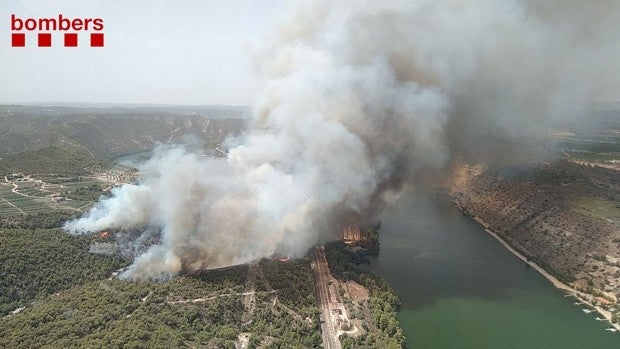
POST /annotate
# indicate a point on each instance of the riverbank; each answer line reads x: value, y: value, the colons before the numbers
x: 361, y: 299
x: 581, y: 296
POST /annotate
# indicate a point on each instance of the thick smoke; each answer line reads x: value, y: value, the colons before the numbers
x: 359, y: 97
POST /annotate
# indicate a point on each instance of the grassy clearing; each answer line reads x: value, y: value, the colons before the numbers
x: 34, y: 192
x: 601, y: 209
x: 593, y: 157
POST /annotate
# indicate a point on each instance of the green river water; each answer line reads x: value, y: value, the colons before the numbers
x: 460, y: 288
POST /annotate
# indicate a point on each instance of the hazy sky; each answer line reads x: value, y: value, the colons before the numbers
x: 160, y: 51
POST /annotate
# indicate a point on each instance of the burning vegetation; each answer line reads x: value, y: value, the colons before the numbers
x: 359, y: 100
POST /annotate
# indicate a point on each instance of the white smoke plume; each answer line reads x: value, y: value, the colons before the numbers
x: 358, y: 97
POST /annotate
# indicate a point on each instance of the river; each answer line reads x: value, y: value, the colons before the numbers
x: 460, y: 288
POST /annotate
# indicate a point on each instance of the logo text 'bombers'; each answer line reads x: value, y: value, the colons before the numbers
x: 43, y: 27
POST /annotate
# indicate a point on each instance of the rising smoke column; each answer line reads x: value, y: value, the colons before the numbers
x: 358, y: 97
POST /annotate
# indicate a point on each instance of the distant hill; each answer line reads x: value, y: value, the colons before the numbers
x: 108, y: 132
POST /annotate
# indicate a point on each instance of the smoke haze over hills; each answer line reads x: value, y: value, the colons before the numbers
x: 359, y: 96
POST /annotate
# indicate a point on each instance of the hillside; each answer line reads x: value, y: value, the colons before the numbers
x: 59, y: 290
x: 208, y: 310
x: 50, y: 160
x: 562, y: 215
x: 57, y: 294
x: 110, y: 132
x: 36, y: 263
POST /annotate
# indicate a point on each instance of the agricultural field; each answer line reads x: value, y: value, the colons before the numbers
x: 33, y: 196
x: 16, y: 203
x: 6, y: 208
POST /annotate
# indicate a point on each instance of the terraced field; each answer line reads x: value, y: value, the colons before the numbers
x: 77, y: 204
x: 33, y: 200
x: 6, y: 208
x: 22, y: 204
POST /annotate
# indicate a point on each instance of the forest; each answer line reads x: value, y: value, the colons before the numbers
x: 51, y: 160
x: 54, y: 293
x: 203, y: 309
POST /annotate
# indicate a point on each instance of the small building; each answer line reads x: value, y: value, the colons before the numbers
x: 336, y: 311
